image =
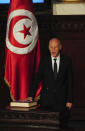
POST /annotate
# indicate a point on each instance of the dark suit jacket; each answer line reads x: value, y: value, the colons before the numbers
x: 55, y: 92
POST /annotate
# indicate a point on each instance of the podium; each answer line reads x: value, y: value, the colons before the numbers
x: 32, y: 118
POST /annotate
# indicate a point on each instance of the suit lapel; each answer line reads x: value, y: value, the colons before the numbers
x: 61, y: 64
x: 60, y: 67
x: 50, y: 67
x: 50, y: 63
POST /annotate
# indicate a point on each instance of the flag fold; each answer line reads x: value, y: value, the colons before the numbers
x: 22, y: 48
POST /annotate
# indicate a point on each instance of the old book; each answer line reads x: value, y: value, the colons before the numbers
x: 23, y: 103
x: 21, y: 108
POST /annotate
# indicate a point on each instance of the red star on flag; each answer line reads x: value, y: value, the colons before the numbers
x: 25, y: 31
x: 22, y: 52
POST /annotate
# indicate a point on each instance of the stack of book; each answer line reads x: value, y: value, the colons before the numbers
x: 23, y: 105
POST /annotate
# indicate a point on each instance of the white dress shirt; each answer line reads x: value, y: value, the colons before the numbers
x: 57, y: 61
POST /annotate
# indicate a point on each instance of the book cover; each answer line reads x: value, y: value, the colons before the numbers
x: 21, y: 108
x: 23, y: 103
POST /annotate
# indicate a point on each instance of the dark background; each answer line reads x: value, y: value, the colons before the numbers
x: 70, y: 30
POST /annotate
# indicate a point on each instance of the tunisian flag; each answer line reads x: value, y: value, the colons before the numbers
x: 22, y: 48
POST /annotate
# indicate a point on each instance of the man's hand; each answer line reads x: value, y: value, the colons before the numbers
x: 69, y: 105
x: 28, y: 99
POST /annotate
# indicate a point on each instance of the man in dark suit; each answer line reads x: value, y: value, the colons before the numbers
x: 55, y: 72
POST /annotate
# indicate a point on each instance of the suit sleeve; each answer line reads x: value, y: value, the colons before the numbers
x: 37, y: 80
x: 70, y: 83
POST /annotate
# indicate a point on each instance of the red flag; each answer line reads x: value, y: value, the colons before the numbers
x: 22, y: 48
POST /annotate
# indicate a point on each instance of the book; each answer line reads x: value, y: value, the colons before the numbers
x: 21, y: 108
x: 23, y: 103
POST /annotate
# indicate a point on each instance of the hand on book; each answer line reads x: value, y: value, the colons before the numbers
x: 29, y: 99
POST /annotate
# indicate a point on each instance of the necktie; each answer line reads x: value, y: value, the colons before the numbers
x: 55, y: 69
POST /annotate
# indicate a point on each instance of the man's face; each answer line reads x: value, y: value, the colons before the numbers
x: 54, y: 47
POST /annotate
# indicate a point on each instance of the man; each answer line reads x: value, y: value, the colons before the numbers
x: 55, y: 72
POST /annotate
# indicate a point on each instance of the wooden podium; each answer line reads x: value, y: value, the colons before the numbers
x: 32, y: 118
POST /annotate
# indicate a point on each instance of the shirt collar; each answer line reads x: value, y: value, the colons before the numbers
x: 58, y: 57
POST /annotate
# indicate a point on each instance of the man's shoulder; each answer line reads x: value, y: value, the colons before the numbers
x: 66, y: 57
x: 45, y: 58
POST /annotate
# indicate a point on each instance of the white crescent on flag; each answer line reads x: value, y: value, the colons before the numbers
x: 22, y: 49
x: 25, y: 31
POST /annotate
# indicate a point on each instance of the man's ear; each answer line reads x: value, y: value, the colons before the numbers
x: 60, y: 47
